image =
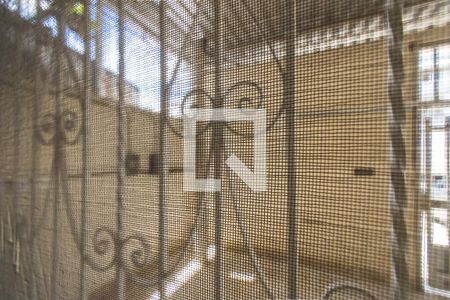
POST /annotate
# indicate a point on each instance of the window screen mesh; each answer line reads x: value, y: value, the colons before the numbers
x: 341, y: 194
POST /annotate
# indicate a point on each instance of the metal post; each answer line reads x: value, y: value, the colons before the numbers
x: 398, y: 199
x: 447, y: 147
x: 289, y: 81
x: 16, y: 161
x: 121, y: 152
x: 86, y: 142
x: 428, y: 133
x: 428, y: 151
x: 34, y: 159
x: 99, y: 74
x: 57, y: 157
x: 218, y: 147
x: 202, y: 238
x: 163, y: 176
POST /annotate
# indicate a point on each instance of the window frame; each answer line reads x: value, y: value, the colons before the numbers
x: 435, y: 75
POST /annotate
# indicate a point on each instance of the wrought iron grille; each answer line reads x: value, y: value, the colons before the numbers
x: 94, y: 98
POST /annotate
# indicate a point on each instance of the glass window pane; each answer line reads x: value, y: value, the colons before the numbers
x: 443, y: 54
x: 438, y: 166
x: 439, y: 227
x: 427, y: 86
x: 427, y: 59
x: 437, y: 115
x: 444, y: 84
x: 426, y: 67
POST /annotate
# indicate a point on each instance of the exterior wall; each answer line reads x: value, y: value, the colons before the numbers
x: 141, y: 201
x: 344, y: 220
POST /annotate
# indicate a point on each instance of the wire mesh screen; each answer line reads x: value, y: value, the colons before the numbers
x: 227, y: 149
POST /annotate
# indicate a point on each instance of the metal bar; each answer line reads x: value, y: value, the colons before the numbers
x: 55, y: 248
x: 289, y: 82
x: 99, y: 73
x: 57, y: 157
x: 34, y: 158
x: 427, y: 200
x: 163, y: 176
x: 121, y: 152
x: 217, y: 144
x: 447, y: 147
x: 87, y: 168
x: 418, y: 209
x: 16, y: 161
x: 398, y: 199
x: 428, y: 149
x: 202, y: 164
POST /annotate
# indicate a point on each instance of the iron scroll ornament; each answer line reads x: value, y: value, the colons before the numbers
x: 243, y: 101
x: 68, y: 124
x: 65, y: 130
x: 106, y: 242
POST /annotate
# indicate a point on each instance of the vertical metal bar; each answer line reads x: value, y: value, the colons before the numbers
x: 34, y: 156
x: 57, y: 157
x: 55, y: 251
x: 428, y: 149
x: 427, y: 202
x: 398, y: 199
x: 121, y: 152
x: 417, y: 155
x: 163, y: 176
x: 218, y: 147
x: 202, y: 230
x: 86, y: 142
x: 99, y: 74
x: 289, y: 81
x: 447, y: 149
x: 16, y: 168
